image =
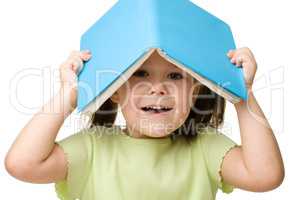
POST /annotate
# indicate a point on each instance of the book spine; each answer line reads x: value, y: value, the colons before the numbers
x: 152, y: 15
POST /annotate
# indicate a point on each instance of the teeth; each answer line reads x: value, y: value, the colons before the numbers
x: 156, y: 108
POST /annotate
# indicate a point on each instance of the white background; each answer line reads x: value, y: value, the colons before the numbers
x: 36, y: 36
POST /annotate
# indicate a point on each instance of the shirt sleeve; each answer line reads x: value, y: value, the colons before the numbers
x: 77, y: 150
x: 215, y: 146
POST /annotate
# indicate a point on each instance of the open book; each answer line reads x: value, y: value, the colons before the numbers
x: 180, y: 31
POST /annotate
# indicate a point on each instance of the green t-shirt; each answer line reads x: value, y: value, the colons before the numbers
x: 104, y: 163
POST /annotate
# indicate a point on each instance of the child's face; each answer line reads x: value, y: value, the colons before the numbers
x: 157, y: 98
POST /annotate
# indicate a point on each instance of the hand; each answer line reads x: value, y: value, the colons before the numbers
x: 69, y: 71
x: 243, y: 57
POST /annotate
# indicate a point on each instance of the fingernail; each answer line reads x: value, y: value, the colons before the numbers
x: 87, y: 55
x: 229, y: 52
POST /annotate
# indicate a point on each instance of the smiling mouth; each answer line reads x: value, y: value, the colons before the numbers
x: 156, y: 109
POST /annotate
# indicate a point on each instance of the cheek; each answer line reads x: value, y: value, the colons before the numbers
x: 184, y: 100
x: 128, y: 111
x: 124, y: 93
x: 128, y: 100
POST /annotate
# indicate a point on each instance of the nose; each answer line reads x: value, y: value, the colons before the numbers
x: 158, y: 89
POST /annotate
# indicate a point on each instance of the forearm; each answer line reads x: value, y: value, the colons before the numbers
x: 36, y: 140
x: 259, y: 146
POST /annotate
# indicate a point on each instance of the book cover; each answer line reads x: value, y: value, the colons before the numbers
x: 182, y: 32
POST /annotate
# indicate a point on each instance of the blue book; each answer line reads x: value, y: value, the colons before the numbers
x: 180, y: 31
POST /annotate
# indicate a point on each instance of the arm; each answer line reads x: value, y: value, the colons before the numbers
x: 28, y: 157
x: 34, y: 156
x: 257, y: 165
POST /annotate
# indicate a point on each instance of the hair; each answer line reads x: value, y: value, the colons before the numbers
x: 210, y: 113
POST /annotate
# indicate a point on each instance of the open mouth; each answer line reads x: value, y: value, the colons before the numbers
x: 156, y: 109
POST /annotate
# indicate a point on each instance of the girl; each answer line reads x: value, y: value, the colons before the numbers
x: 169, y: 149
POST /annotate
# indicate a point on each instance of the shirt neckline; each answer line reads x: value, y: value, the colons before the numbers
x: 151, y: 141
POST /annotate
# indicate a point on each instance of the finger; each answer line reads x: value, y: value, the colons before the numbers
x: 85, y: 56
x: 73, y: 64
x: 80, y: 66
x: 237, y: 60
x: 246, y: 50
x: 77, y: 64
x: 230, y: 53
x: 238, y: 53
x: 240, y: 59
x: 80, y: 56
x: 75, y: 60
x: 85, y: 53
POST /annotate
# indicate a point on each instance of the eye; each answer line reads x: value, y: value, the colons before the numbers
x: 175, y: 76
x: 141, y: 73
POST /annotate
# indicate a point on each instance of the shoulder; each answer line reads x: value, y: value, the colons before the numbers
x: 210, y: 136
x: 79, y: 137
x: 80, y: 149
x: 215, y: 146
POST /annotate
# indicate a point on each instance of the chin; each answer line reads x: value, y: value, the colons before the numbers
x: 156, y: 135
x: 157, y: 132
